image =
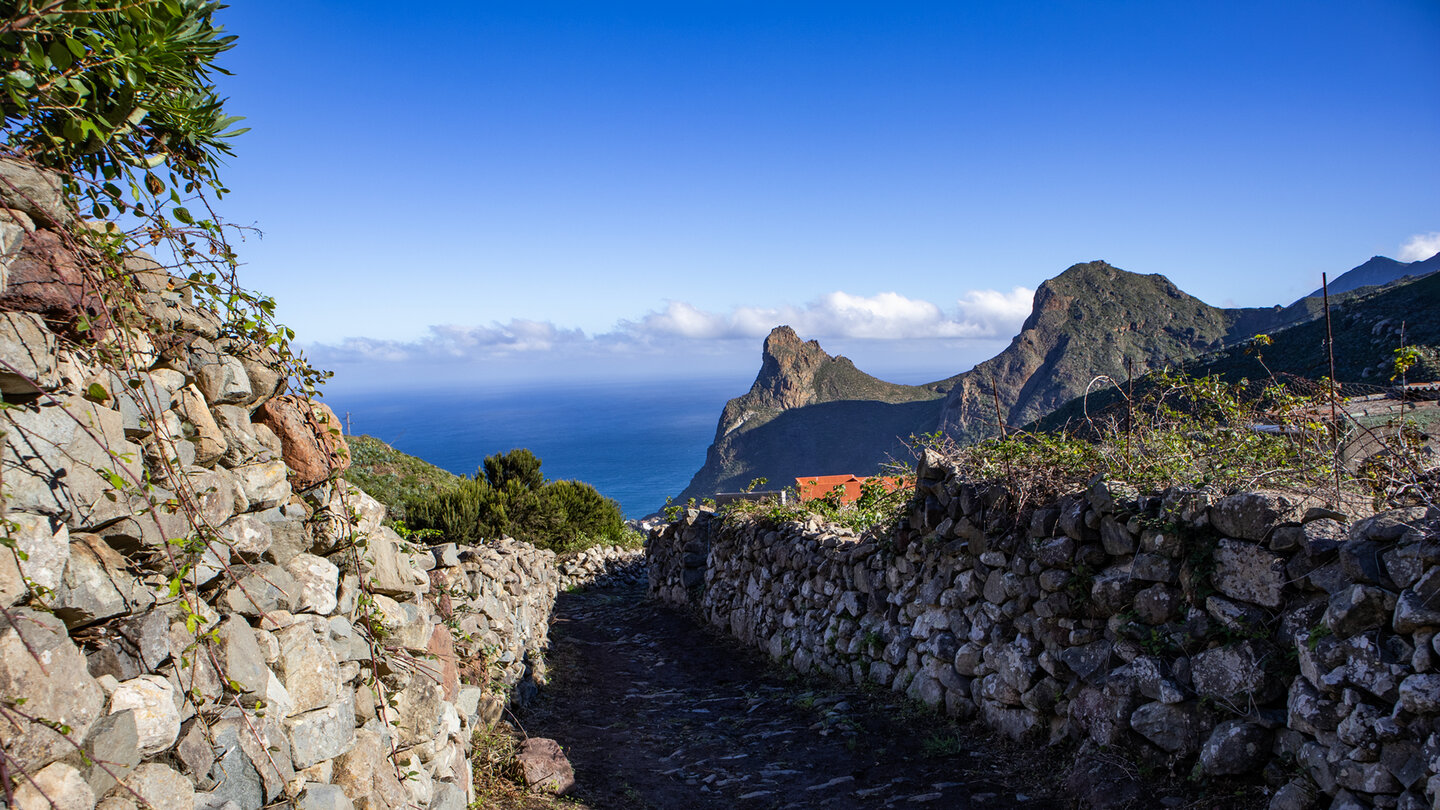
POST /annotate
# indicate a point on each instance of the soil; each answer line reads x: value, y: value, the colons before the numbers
x: 658, y: 712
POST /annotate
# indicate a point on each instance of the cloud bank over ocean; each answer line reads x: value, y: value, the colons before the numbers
x: 979, y: 315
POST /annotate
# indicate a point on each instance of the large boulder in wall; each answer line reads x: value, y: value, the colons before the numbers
x: 45, y: 278
x: 310, y: 439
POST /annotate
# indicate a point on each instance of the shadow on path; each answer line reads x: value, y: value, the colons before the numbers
x: 657, y: 712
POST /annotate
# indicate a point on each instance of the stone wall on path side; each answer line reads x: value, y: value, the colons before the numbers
x: 195, y: 612
x: 1215, y: 634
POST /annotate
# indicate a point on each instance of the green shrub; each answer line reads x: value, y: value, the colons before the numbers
x: 508, y: 495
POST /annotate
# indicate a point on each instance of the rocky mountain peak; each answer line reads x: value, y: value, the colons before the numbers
x: 787, y: 370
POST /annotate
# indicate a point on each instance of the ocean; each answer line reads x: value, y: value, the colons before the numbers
x: 636, y: 442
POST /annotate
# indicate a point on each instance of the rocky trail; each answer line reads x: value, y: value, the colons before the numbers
x: 658, y: 712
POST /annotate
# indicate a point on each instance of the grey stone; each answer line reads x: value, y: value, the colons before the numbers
x: 1156, y: 604
x: 366, y: 774
x: 27, y: 355
x: 307, y: 668
x: 1297, y: 794
x: 46, y: 548
x: 1414, y: 611
x: 59, y: 690
x: 319, y: 582
x: 246, y: 534
x: 57, y: 786
x: 389, y: 568
x: 1090, y: 661
x: 208, y: 440
x: 221, y: 378
x: 36, y: 192
x: 1154, y: 568
x: 1309, y: 711
x: 157, y: 716
x: 1365, y: 777
x: 1389, y: 525
x: 161, y: 786
x: 1101, y: 716
x: 240, y: 657
x: 1174, y: 727
x: 265, y: 743
x: 236, y: 778
x: 241, y: 444
x: 1232, y: 672
x: 1362, y: 562
x: 1115, y: 538
x: 218, y: 494
x: 327, y: 797
x: 113, y: 750
x: 96, y: 584
x: 1357, y: 609
x: 1252, y: 515
x: 447, y: 797
x: 1420, y: 694
x: 54, y: 450
x: 324, y: 733
x: 194, y: 752
x: 1235, y: 747
x: 1249, y: 573
x: 1236, y: 616
x: 264, y: 484
x: 263, y: 588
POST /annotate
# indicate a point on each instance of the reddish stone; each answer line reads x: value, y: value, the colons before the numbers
x: 545, y: 766
x: 310, y: 440
x: 45, y: 278
x: 446, y: 663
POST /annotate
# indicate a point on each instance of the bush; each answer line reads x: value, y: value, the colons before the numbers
x: 508, y: 495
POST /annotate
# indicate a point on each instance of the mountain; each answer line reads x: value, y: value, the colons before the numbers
x: 1086, y: 322
x: 810, y: 413
x: 1367, y: 325
x: 1379, y: 271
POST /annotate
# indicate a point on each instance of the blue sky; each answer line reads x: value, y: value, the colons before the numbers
x: 496, y: 190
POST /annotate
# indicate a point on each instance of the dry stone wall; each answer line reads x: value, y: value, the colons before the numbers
x: 602, y: 566
x: 1223, y: 636
x: 196, y: 612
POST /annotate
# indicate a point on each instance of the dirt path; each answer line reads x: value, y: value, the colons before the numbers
x: 658, y: 712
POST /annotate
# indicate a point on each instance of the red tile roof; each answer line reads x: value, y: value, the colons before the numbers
x: 811, y: 487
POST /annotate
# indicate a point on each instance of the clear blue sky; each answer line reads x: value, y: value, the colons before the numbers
x: 621, y: 185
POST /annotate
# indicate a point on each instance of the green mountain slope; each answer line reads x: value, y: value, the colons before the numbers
x: 1367, y: 325
x: 1088, y: 321
x: 390, y: 476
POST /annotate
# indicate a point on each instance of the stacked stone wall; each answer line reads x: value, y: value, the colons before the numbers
x: 602, y: 566
x: 197, y: 613
x: 1255, y: 633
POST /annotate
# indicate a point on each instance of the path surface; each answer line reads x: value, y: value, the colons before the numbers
x: 657, y: 712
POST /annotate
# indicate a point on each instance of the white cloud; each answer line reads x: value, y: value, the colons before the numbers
x: 885, y: 316
x: 837, y: 315
x: 1420, y: 246
x: 456, y: 342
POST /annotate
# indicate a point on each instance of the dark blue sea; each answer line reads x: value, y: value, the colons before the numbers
x: 636, y: 442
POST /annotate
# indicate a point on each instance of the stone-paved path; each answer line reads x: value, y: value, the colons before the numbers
x: 657, y: 712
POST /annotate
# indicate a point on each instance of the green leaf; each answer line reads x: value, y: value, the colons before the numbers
x: 60, y: 55
x: 182, y: 214
x: 97, y: 392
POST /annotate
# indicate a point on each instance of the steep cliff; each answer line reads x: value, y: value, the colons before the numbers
x: 807, y: 413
